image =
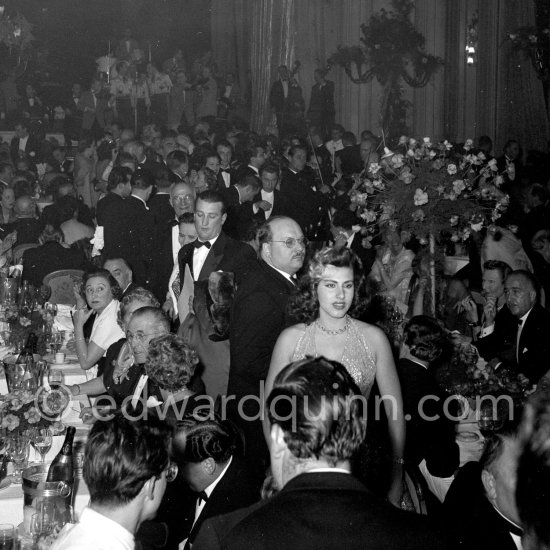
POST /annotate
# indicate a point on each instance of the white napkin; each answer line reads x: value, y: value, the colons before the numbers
x: 63, y: 319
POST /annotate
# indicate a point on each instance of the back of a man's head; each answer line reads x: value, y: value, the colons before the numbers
x: 121, y: 455
x: 320, y: 410
x: 533, y: 477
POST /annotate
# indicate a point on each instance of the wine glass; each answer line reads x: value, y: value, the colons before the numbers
x: 7, y: 536
x: 55, y: 378
x: 41, y: 439
x: 19, y: 446
x: 55, y: 341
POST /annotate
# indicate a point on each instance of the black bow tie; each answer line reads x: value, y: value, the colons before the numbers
x: 228, y: 170
x: 173, y: 223
x: 520, y: 322
x: 202, y: 496
x: 198, y: 244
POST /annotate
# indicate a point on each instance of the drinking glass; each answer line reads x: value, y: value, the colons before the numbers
x: 55, y: 378
x: 55, y: 341
x: 7, y: 536
x: 41, y: 440
x: 19, y: 446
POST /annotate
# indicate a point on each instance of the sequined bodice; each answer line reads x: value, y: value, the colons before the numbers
x: 357, y: 356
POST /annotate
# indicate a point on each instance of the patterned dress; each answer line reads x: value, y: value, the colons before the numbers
x: 357, y: 358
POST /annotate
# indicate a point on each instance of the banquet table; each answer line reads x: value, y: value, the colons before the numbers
x: 11, y: 497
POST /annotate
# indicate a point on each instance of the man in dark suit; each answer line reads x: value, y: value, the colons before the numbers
x: 137, y: 224
x: 92, y: 105
x: 159, y: 203
x: 240, y: 209
x: 256, y: 159
x: 306, y: 204
x: 278, y: 96
x: 23, y: 142
x: 269, y: 201
x: 480, y: 510
x: 27, y: 226
x: 258, y: 317
x: 207, y: 452
x: 321, y: 103
x: 344, y: 235
x: 227, y: 171
x: 122, y: 273
x: 348, y: 160
x: 109, y: 210
x: 320, y: 504
x: 212, y: 251
x: 533, y: 343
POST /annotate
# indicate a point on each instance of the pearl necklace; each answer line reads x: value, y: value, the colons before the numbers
x: 333, y: 332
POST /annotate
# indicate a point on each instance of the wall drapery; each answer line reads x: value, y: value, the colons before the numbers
x: 499, y: 96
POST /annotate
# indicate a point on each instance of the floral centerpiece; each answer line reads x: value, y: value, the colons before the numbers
x: 427, y: 189
x: 21, y: 410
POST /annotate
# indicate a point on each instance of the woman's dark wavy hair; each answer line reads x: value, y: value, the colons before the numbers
x: 199, y: 437
x: 116, y: 291
x: 304, y: 304
x: 170, y: 362
x: 320, y: 410
x: 426, y: 338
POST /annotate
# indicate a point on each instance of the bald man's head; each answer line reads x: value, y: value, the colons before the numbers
x: 24, y: 207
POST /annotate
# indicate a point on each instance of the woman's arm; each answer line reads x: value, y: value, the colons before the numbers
x: 88, y: 354
x: 280, y: 358
x: 403, y: 269
x: 390, y: 390
x: 92, y: 387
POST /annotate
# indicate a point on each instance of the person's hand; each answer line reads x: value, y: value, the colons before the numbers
x: 87, y: 415
x: 73, y: 389
x: 490, y: 310
x: 81, y: 315
x: 263, y: 205
x: 395, y: 492
x: 168, y: 308
x: 470, y: 308
x: 124, y: 362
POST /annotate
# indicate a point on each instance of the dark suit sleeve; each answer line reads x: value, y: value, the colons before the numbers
x: 207, y: 538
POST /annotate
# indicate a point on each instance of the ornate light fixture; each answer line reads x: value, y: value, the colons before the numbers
x: 471, y: 40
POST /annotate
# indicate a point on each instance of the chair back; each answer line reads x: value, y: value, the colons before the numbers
x: 20, y: 249
x: 61, y: 284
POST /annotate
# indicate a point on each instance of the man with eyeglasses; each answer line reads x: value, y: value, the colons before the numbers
x: 258, y: 317
x: 126, y: 469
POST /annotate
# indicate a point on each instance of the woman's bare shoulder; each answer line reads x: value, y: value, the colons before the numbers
x: 293, y: 332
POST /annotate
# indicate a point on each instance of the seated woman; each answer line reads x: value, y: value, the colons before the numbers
x: 392, y: 268
x: 72, y: 229
x: 333, y: 286
x: 102, y: 298
x: 118, y: 389
x: 430, y: 441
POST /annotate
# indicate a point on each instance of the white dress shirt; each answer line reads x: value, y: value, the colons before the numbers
x: 94, y: 531
x: 226, y: 177
x: 199, y: 257
x: 175, y: 242
x: 270, y: 198
x: 199, y: 507
x: 23, y: 143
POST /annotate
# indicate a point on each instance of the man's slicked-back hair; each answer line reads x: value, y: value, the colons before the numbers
x: 320, y: 410
x: 142, y: 179
x: 497, y: 265
x: 121, y: 454
x: 199, y: 437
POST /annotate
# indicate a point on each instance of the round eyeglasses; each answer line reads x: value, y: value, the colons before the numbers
x: 291, y: 242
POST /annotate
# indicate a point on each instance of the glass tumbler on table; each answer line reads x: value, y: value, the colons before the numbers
x: 7, y: 536
x: 55, y: 378
x: 18, y: 446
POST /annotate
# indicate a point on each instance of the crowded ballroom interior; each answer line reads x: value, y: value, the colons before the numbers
x: 274, y: 274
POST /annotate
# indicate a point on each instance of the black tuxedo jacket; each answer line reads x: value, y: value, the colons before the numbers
x: 319, y: 510
x: 305, y: 203
x: 235, y: 490
x: 322, y: 99
x: 280, y: 206
x: 239, y: 215
x: 137, y: 239
x: 232, y: 177
x: 258, y: 317
x: 431, y: 440
x: 277, y: 98
x: 534, y: 345
x: 109, y: 214
x: 501, y: 343
x: 244, y: 171
x: 226, y: 254
x: 50, y: 257
x: 162, y: 210
x: 32, y: 149
x: 470, y: 519
x: 350, y: 160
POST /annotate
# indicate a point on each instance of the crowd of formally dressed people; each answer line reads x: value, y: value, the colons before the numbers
x: 226, y: 267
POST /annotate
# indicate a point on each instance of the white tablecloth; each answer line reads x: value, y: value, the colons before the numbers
x: 11, y: 498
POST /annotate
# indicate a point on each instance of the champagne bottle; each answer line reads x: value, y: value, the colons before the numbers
x: 61, y: 468
x: 25, y: 362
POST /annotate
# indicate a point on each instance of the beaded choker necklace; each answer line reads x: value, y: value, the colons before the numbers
x: 333, y: 332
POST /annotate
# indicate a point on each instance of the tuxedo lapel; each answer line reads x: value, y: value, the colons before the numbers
x: 213, y: 259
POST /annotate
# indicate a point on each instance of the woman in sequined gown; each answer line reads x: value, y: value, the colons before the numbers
x: 333, y: 287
